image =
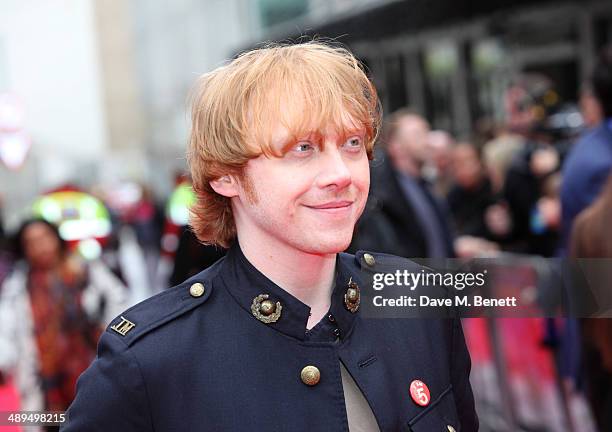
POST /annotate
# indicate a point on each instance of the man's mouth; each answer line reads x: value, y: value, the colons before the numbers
x: 333, y: 207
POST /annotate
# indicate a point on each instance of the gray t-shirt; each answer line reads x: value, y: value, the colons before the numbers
x: 358, y: 411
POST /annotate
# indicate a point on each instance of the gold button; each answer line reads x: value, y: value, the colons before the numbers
x: 450, y: 428
x: 196, y: 290
x: 267, y: 307
x: 352, y: 295
x: 369, y: 259
x: 266, y: 310
x: 310, y: 375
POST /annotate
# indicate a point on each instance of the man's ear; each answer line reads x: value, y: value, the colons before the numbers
x: 226, y: 185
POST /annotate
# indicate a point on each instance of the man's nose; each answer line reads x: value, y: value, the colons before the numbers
x: 334, y: 170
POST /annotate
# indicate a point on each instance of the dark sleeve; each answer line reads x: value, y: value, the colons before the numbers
x: 111, y: 394
x: 460, y: 376
x: 519, y: 204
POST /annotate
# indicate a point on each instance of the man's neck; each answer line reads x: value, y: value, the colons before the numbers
x: 308, y: 277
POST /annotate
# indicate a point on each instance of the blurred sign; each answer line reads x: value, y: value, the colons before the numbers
x: 177, y: 209
x: 14, y: 142
x: 121, y: 198
x: 83, y: 220
x: 177, y: 216
x: 14, y: 147
x: 12, y: 112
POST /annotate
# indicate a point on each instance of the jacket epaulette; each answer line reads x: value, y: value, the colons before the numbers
x: 164, y: 307
x: 375, y: 261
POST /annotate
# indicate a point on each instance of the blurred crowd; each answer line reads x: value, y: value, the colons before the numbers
x: 499, y: 190
x: 76, y: 261
x: 534, y: 185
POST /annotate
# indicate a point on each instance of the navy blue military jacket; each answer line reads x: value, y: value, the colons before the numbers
x: 193, y: 360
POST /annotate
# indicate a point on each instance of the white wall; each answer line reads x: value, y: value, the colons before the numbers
x: 51, y: 62
x: 177, y: 42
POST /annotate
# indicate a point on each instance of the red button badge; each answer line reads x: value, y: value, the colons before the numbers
x: 420, y: 393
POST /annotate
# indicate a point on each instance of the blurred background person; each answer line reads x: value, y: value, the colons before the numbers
x: 590, y: 160
x: 588, y: 166
x: 529, y: 186
x: 146, y: 218
x: 592, y: 238
x: 403, y: 217
x: 590, y: 107
x: 53, y: 308
x: 498, y: 155
x: 472, y: 203
x: 437, y: 169
x: 471, y: 193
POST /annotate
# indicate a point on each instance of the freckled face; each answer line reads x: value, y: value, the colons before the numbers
x: 309, y: 198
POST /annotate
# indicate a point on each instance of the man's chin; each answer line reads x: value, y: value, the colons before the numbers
x: 330, y: 245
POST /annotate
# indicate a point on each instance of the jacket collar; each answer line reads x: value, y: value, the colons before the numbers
x: 244, y: 282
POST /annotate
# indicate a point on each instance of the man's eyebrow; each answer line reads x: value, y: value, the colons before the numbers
x: 353, y: 131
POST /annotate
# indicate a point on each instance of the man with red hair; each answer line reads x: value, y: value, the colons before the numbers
x: 271, y: 337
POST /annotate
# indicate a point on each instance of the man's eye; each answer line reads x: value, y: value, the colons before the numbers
x: 354, y: 143
x: 303, y: 147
